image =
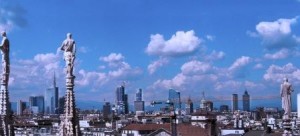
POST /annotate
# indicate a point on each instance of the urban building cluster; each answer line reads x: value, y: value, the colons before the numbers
x: 174, y: 117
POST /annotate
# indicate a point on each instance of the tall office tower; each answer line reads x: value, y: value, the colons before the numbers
x: 106, y: 110
x: 51, y: 99
x: 61, y: 104
x: 174, y: 97
x: 126, y: 106
x: 139, y: 95
x: 246, y: 101
x: 21, y: 106
x: 234, y: 102
x: 121, y: 100
x: 36, y: 104
x: 203, y: 102
x: 189, y: 109
x: 139, y: 104
x: 224, y: 108
x: 209, y: 105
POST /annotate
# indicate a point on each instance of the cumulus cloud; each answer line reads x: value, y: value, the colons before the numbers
x: 118, y: 70
x: 276, y: 73
x: 278, y: 34
x: 11, y: 16
x: 113, y: 59
x: 281, y: 54
x: 182, y: 43
x: 157, y: 64
x: 94, y: 78
x: 240, y: 62
x: 210, y: 37
x: 214, y: 55
x: 258, y: 66
x: 195, y: 67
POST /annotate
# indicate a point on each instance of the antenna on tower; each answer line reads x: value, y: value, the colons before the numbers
x: 54, y: 79
x: 203, y: 95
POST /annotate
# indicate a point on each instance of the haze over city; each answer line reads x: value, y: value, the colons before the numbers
x: 219, y: 47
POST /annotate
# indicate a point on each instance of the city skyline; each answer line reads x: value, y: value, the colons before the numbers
x: 219, y: 47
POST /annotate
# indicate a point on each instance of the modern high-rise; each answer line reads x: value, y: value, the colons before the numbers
x: 121, y: 100
x: 224, y: 108
x: 174, y: 97
x: 51, y: 99
x: 139, y: 104
x: 189, y: 109
x: 246, y: 101
x: 21, y: 106
x: 61, y: 104
x: 36, y: 104
x: 106, y: 110
x: 139, y: 95
x: 234, y: 102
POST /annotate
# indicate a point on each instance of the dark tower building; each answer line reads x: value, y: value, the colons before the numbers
x: 246, y: 101
x: 234, y: 102
x: 36, y: 102
x: 106, y: 110
x: 224, y: 108
x: 61, y: 104
x: 189, y: 109
x: 122, y: 106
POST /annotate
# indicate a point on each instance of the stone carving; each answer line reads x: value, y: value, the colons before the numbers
x: 285, y: 92
x: 69, y: 48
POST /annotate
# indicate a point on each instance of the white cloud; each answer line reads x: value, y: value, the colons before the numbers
x: 276, y: 73
x: 277, y: 34
x: 182, y: 43
x: 240, y: 62
x: 281, y: 54
x: 215, y: 55
x: 156, y: 64
x: 195, y: 67
x: 210, y: 37
x: 258, y: 66
x: 11, y: 16
x: 113, y: 59
x: 83, y: 49
x: 95, y: 78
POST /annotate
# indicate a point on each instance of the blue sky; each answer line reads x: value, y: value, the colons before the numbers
x: 216, y: 46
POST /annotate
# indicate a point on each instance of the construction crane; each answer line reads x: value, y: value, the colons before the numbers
x: 172, y: 116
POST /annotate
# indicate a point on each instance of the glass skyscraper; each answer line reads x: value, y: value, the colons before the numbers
x: 122, y: 106
x: 234, y: 102
x: 174, y: 97
x: 51, y: 99
x: 139, y: 104
x: 36, y: 102
x: 246, y: 101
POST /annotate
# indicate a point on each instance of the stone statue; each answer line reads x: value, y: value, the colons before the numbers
x: 5, y: 57
x: 285, y: 92
x: 69, y: 48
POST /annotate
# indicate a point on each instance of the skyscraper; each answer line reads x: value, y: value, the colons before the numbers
x: 234, y: 102
x: 246, y: 101
x: 139, y: 104
x: 106, y: 110
x: 139, y: 95
x: 51, y: 99
x: 61, y: 104
x: 189, y: 109
x: 36, y: 102
x: 20, y: 107
x: 174, y: 97
x: 121, y: 100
